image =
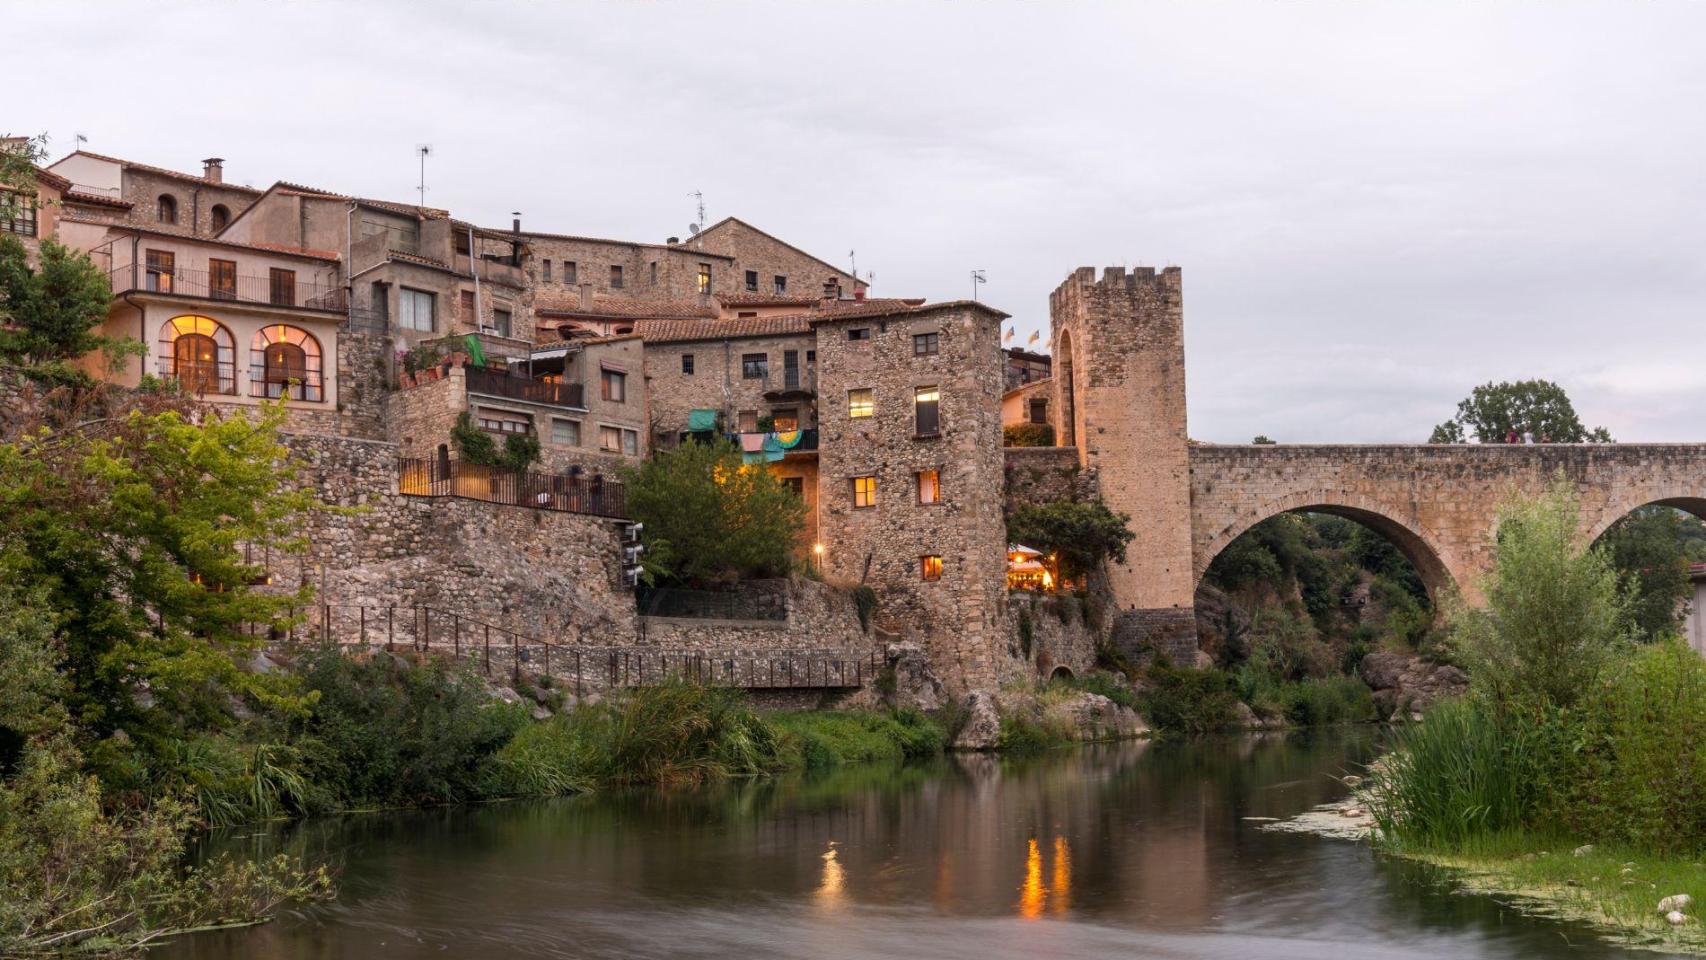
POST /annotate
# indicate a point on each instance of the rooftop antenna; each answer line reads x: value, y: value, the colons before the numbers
x: 853, y: 255
x: 80, y: 140
x: 977, y: 279
x: 699, y: 223
x: 422, y: 150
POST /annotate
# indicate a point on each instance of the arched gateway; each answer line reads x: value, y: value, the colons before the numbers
x: 1437, y: 503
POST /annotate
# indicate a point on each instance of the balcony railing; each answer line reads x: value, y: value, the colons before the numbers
x: 419, y: 477
x: 240, y: 288
x: 499, y: 383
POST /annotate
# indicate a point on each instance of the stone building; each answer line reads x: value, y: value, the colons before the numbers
x: 164, y: 200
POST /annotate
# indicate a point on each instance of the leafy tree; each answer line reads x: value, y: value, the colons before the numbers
x: 474, y: 445
x: 130, y: 530
x: 1647, y: 549
x: 1081, y: 534
x: 51, y: 312
x: 1027, y: 435
x: 1494, y: 412
x: 18, y: 172
x: 1263, y: 440
x: 711, y: 517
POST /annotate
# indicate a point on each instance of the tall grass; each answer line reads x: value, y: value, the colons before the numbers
x: 819, y: 740
x: 1458, y: 776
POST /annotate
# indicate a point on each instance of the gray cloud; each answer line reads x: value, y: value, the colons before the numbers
x: 1376, y: 206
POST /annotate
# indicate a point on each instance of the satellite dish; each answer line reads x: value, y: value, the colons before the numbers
x: 693, y: 229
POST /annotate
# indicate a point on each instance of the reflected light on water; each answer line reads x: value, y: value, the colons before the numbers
x: 829, y: 889
x: 1032, y: 894
x: 1061, y: 887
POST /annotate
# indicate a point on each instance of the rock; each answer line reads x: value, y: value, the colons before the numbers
x: 1582, y: 850
x: 1676, y: 918
x: 1351, y: 811
x: 592, y: 699
x: 1676, y: 901
x: 505, y: 694
x: 1205, y: 660
x: 262, y: 664
x: 1405, y: 684
x: 1248, y: 719
x: 916, y: 686
x: 1096, y: 717
x: 982, y: 727
x: 541, y: 712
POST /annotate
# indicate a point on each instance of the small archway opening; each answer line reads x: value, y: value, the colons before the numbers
x: 1061, y: 673
x: 1659, y: 551
x: 219, y: 217
x: 1307, y: 593
x: 1068, y: 407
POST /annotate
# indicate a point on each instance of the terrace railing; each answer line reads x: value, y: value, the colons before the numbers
x: 594, y: 495
x: 238, y: 288
x: 502, y: 384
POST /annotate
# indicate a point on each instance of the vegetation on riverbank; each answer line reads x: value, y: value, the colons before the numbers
x: 1575, y: 736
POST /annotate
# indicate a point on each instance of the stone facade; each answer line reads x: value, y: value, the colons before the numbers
x: 1120, y: 401
x: 199, y: 206
x: 752, y: 250
x: 1062, y: 636
x: 897, y: 542
x: 719, y: 378
x: 1042, y: 475
x: 810, y: 615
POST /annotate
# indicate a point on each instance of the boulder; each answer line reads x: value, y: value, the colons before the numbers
x: 982, y: 727
x: 541, y: 712
x: 916, y: 686
x: 1678, y: 901
x: 1096, y: 717
x: 505, y: 694
x: 1405, y: 684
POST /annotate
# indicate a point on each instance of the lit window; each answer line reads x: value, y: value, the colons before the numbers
x: 199, y: 353
x: 565, y: 433
x: 704, y: 277
x: 859, y: 333
x: 925, y: 344
x: 284, y: 361
x: 864, y: 492
x: 861, y: 403
x: 929, y: 486
x: 222, y: 279
x: 926, y: 414
x: 687, y: 364
x: 162, y: 265
x: 931, y: 567
x: 786, y: 419
x: 752, y: 281
x: 415, y: 309
x: 754, y: 366
x: 613, y: 386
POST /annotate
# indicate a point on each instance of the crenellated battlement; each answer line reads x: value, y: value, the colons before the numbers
x: 1147, y: 283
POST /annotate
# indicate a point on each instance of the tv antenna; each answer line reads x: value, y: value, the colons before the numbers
x: 978, y: 278
x: 423, y: 150
x: 853, y: 255
x: 80, y: 139
x: 698, y: 224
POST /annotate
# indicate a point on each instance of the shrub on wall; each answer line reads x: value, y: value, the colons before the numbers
x: 1028, y: 435
x: 711, y: 517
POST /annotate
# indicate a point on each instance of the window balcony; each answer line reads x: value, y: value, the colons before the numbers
x: 498, y: 383
x: 270, y: 290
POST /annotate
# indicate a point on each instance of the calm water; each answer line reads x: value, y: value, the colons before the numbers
x: 1138, y: 850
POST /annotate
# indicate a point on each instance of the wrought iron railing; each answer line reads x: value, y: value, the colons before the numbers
x: 240, y: 288
x: 595, y: 495
x: 503, y: 384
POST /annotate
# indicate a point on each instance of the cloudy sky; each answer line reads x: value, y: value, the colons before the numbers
x: 1376, y: 206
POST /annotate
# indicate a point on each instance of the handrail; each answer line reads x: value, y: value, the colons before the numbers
x: 590, y: 494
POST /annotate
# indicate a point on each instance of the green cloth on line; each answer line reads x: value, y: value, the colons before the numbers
x: 699, y: 420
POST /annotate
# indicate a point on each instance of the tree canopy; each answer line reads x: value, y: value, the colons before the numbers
x: 1080, y: 533
x: 1504, y: 412
x: 710, y: 517
x: 52, y: 310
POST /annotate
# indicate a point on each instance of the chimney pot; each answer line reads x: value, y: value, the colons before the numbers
x: 515, y: 225
x: 672, y: 241
x: 213, y: 168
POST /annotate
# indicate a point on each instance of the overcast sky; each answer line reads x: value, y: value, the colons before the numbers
x: 1376, y: 206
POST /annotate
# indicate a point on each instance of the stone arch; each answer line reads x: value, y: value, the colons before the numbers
x: 1066, y: 407
x: 1432, y: 561
x: 1594, y: 527
x: 1061, y: 672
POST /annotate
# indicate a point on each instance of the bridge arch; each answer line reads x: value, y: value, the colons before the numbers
x: 1594, y: 526
x: 1432, y: 563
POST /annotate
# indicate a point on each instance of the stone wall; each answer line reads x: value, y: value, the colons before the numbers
x: 537, y: 572
x: 816, y: 616
x: 753, y: 249
x: 960, y: 618
x: 1061, y: 636
x: 717, y: 383
x: 195, y: 198
x: 1040, y: 475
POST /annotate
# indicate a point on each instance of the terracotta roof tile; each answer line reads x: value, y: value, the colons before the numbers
x: 686, y: 331
x: 162, y: 171
x: 96, y: 200
x: 568, y: 303
x: 879, y: 309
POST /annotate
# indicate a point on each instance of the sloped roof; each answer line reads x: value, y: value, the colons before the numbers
x: 682, y: 247
x: 568, y: 303
x: 687, y: 331
x: 720, y: 224
x: 161, y: 171
x: 880, y: 309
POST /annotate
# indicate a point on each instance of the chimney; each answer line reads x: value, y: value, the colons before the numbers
x: 672, y: 241
x: 515, y: 225
x: 213, y: 168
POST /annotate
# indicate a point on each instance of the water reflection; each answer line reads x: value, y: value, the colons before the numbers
x: 1139, y: 850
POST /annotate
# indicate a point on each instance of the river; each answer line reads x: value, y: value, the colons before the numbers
x: 1132, y: 850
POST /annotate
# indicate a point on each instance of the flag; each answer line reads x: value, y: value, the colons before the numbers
x: 1008, y: 336
x: 1035, y: 336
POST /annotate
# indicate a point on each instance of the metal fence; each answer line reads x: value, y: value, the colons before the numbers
x: 574, y: 668
x: 590, y: 494
x: 499, y: 383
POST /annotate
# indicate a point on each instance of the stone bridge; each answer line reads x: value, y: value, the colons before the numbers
x: 1118, y: 345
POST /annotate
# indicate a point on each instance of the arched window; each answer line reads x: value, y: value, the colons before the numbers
x: 199, y: 353
x: 284, y: 361
x: 220, y: 216
x: 166, y: 208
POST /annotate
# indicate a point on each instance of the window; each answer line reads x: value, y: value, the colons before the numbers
x: 569, y: 272
x: 811, y: 356
x: 704, y: 278
x: 610, y: 439
x: 927, y: 420
x: 747, y: 421
x: 565, y: 433
x: 864, y: 492
x: 503, y: 421
x: 930, y: 567
x: 859, y: 333
x: 687, y: 364
x: 754, y: 366
x: 1039, y: 409
x: 162, y: 264
x: 795, y: 486
x: 465, y: 306
x: 861, y: 403
x: 281, y: 287
x: 929, y: 486
x: 284, y: 361
x: 613, y: 386
x: 501, y: 320
x: 166, y: 208
x: 615, y: 276
x: 752, y: 281
x: 23, y: 219
x: 654, y: 273
x: 222, y: 279
x: 781, y: 284
x: 790, y: 369
x: 200, y: 354
x: 415, y: 309
x: 742, y: 315
x: 379, y: 300
x: 631, y: 442
x: 545, y: 267
x: 925, y: 344
x: 218, y: 217
x: 785, y: 419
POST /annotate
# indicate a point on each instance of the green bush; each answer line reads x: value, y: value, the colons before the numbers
x: 1103, y: 683
x: 1189, y: 702
x: 821, y: 739
x: 1027, y: 435
x: 1022, y: 735
x: 1459, y: 775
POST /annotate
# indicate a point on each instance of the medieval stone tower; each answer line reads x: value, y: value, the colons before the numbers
x: 1119, y: 356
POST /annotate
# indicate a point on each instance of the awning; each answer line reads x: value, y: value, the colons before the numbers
x: 701, y: 420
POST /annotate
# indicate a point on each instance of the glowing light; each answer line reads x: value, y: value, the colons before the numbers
x: 1061, y: 887
x: 829, y: 889
x: 1032, y: 894
x: 817, y: 548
